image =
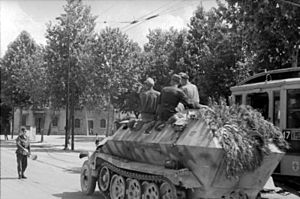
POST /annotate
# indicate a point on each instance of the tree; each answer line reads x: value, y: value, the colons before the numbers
x: 23, y: 74
x: 165, y: 53
x: 271, y: 31
x: 115, y: 68
x: 216, y: 57
x: 68, y: 43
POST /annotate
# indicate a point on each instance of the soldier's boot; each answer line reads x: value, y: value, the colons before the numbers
x: 23, y: 176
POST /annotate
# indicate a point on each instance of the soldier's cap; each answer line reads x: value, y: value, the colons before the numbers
x: 183, y: 75
x: 149, y: 81
x: 176, y: 78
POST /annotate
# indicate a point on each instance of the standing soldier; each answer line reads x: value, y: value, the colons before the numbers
x: 23, y: 151
x: 149, y: 100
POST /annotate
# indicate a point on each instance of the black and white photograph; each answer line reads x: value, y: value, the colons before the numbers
x: 150, y: 99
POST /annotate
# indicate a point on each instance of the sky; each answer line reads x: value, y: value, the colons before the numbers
x: 33, y: 15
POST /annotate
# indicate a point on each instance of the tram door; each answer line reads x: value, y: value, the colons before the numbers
x: 260, y: 102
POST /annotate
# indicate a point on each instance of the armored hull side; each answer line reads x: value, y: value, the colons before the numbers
x: 195, y: 149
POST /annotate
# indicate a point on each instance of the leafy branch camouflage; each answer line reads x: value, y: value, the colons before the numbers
x: 243, y: 134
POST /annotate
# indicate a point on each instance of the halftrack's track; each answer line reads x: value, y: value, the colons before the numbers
x: 148, y: 184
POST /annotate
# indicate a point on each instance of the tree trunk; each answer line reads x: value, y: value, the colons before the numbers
x: 108, y: 117
x: 72, y: 119
x: 42, y: 131
x: 21, y: 118
x: 12, y: 122
x: 86, y: 122
x: 67, y: 126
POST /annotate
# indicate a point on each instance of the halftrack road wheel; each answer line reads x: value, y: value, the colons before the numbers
x: 117, y: 187
x: 104, y: 179
x: 150, y: 191
x: 167, y: 191
x: 133, y: 190
x: 87, y: 181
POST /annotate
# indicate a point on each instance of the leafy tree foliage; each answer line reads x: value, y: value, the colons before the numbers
x: 114, y: 69
x: 216, y: 57
x: 271, y: 31
x: 68, y: 43
x: 23, y: 73
x: 165, y: 52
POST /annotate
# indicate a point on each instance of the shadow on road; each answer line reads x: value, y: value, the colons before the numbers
x: 56, y: 149
x: 9, y: 178
x: 74, y: 170
x: 78, y: 195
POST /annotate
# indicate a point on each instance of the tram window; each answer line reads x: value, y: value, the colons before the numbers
x: 293, y: 108
x: 276, y: 103
x: 260, y: 102
x: 238, y: 99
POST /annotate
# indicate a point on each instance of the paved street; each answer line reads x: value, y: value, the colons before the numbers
x: 55, y: 174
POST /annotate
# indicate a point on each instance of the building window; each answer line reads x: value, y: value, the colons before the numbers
x: 77, y: 123
x: 54, y: 121
x: 24, y: 118
x: 102, y: 123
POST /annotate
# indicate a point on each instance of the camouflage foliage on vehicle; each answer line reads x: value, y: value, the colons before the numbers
x: 243, y: 134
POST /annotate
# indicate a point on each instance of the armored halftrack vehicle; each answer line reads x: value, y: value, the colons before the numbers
x: 170, y: 162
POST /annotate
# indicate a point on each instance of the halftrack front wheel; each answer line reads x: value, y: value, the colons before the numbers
x: 104, y: 179
x: 87, y: 181
x: 117, y: 187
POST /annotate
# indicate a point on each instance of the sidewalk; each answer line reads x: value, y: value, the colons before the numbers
x: 57, y: 142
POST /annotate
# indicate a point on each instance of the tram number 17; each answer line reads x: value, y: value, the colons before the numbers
x: 286, y: 134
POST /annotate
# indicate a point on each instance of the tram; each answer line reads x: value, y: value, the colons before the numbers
x: 276, y: 94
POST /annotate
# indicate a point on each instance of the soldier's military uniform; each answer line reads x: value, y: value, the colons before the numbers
x: 149, y: 102
x: 170, y: 97
x: 22, y: 152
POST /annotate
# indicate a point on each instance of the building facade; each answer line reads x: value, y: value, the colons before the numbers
x: 50, y: 122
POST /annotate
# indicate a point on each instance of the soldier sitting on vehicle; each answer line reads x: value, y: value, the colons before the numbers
x: 170, y: 97
x: 148, y: 98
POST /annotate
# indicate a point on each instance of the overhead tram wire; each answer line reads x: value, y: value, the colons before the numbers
x: 161, y: 13
x: 140, y: 18
x: 143, y: 19
x: 191, y: 3
x: 151, y: 17
x: 291, y: 3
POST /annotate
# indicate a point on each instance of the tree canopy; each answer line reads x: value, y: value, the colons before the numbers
x: 23, y: 73
x: 68, y: 43
x: 270, y: 31
x: 114, y: 68
x: 165, y: 52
